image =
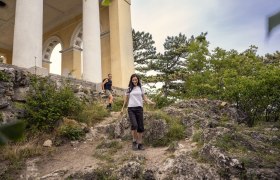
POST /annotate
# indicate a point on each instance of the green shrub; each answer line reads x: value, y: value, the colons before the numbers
x: 47, y: 104
x: 92, y: 114
x: 117, y: 104
x: 197, y: 137
x: 176, y: 130
x: 4, y: 76
x: 71, y: 130
x: 161, y: 101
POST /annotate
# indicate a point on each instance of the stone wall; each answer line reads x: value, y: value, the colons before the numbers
x: 15, y: 82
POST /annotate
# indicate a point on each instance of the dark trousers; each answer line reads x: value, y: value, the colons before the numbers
x: 136, y: 118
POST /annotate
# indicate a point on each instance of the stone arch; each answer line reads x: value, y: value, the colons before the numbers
x: 77, y: 37
x: 48, y: 47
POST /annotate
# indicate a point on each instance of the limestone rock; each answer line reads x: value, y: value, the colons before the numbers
x: 47, y: 143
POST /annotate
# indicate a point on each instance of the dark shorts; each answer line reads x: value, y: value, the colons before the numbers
x: 136, y: 118
x: 108, y: 92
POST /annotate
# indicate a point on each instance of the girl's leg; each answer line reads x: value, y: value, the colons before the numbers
x: 134, y: 127
x: 139, y: 140
x: 134, y: 135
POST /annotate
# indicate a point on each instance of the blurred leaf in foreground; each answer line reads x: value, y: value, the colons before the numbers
x: 12, y: 131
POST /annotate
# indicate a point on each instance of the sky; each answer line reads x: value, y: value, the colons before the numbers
x: 230, y: 24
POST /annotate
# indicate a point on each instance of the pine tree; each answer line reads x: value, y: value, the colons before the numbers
x: 144, y: 50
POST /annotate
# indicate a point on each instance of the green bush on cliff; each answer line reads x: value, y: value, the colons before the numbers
x: 46, y: 104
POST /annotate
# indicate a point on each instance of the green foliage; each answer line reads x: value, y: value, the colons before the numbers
x: 72, y: 131
x: 92, y: 114
x: 170, y: 64
x: 245, y: 79
x: 101, y: 173
x: 233, y: 142
x: 143, y: 50
x: 4, y: 76
x: 188, y: 70
x: 198, y: 137
x: 161, y: 101
x: 46, y: 104
x: 106, y: 149
x: 113, y: 145
x: 117, y: 104
x: 175, y: 132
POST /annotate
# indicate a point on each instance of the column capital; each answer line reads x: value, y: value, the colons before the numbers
x: 71, y: 49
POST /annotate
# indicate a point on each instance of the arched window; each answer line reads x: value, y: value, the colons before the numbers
x: 55, y: 60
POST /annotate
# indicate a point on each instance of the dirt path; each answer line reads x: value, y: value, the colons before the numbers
x: 80, y: 156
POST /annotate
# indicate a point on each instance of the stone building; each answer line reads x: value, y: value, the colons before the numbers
x: 92, y: 36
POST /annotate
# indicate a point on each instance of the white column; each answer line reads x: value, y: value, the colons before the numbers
x: 91, y: 42
x: 28, y: 33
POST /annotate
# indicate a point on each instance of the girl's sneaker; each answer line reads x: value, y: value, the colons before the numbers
x: 141, y: 147
x: 134, y: 146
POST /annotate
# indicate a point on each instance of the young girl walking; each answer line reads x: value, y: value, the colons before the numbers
x: 134, y: 97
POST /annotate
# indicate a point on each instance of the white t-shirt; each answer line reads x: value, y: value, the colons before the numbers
x: 135, y: 97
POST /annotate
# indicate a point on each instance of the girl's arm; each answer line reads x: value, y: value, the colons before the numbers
x: 148, y: 100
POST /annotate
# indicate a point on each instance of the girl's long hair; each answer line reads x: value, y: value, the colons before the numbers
x: 131, y: 85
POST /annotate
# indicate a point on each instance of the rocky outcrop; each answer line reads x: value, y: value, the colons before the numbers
x: 225, y: 144
x: 15, y: 84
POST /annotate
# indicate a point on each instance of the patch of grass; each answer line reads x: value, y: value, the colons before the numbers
x: 17, y: 151
x: 234, y: 142
x: 196, y: 155
x: 117, y: 104
x: 196, y: 124
x: 246, y: 160
x: 103, y: 155
x: 101, y: 173
x: 71, y: 130
x: 19, y: 105
x: 92, y: 114
x: 106, y: 149
x: 15, y: 156
x: 225, y: 142
x: 198, y: 137
x: 175, y: 132
x: 112, y: 145
x: 161, y: 115
x: 268, y: 160
x: 224, y: 119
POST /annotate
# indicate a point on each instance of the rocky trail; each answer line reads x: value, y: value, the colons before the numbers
x: 79, y: 157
